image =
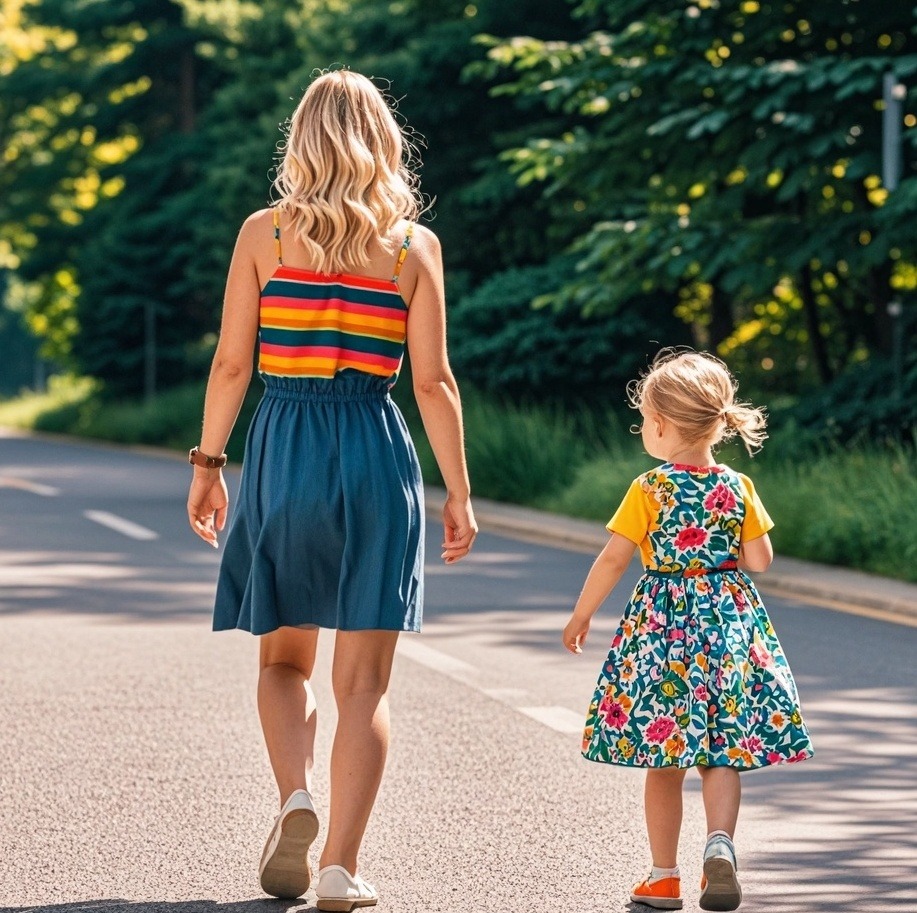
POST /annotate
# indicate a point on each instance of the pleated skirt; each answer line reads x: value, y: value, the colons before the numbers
x: 328, y: 529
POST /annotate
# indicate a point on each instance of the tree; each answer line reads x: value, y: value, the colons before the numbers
x: 100, y: 130
x: 731, y: 158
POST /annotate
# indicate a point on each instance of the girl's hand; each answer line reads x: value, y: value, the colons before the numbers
x: 207, y: 503
x: 575, y: 633
x: 459, y: 529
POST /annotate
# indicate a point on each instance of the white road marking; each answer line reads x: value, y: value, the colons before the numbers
x: 559, y: 719
x: 35, y: 488
x: 434, y: 659
x: 120, y: 525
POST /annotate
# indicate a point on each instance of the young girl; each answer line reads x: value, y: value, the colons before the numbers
x: 695, y: 676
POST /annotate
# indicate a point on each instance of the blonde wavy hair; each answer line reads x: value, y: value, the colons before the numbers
x: 344, y: 177
x: 696, y: 392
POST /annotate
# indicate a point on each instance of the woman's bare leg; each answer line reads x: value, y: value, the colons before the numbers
x: 286, y: 705
x: 360, y: 676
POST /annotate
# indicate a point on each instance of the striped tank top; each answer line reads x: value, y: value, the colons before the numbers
x: 317, y: 324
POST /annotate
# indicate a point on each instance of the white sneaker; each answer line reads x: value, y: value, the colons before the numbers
x: 338, y: 890
x: 284, y: 870
x: 720, y: 888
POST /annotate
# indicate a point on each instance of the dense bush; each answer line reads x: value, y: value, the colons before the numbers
x: 865, y: 403
x: 503, y: 345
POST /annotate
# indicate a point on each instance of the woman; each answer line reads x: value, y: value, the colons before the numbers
x: 328, y: 531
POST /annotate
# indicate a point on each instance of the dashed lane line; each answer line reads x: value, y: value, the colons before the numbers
x: 435, y: 659
x: 35, y: 488
x: 120, y: 525
x: 560, y: 719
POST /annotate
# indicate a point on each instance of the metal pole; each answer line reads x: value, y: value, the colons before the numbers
x: 893, y: 94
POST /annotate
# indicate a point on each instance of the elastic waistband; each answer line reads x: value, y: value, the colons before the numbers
x: 694, y: 571
x: 311, y: 395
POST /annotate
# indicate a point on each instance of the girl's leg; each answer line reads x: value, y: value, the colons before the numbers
x: 360, y: 677
x: 722, y: 793
x: 286, y: 705
x: 663, y: 804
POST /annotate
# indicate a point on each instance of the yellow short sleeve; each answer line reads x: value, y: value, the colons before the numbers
x: 757, y: 521
x: 632, y: 518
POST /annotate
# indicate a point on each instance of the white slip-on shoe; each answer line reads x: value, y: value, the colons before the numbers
x: 338, y: 890
x: 284, y: 870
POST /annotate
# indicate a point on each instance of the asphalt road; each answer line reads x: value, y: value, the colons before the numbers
x: 133, y: 778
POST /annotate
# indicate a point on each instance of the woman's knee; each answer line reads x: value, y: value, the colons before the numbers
x: 362, y: 662
x: 292, y: 647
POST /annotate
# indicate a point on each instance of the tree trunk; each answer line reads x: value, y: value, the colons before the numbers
x: 187, y: 115
x: 819, y: 346
x: 722, y: 319
x: 880, y: 330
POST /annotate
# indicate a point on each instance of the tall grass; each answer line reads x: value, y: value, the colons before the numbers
x: 853, y: 507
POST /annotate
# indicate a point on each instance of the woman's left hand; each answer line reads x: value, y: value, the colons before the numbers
x: 459, y: 529
x: 208, y: 500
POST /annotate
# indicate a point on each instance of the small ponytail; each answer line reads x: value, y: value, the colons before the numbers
x: 746, y: 421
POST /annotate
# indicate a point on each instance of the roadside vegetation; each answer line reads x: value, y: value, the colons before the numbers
x: 847, y: 505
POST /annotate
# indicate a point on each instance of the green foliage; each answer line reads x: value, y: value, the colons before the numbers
x: 65, y: 393
x: 519, y: 454
x: 171, y: 419
x: 502, y: 345
x: 730, y: 157
x: 103, y: 188
x: 866, y: 403
x: 850, y: 507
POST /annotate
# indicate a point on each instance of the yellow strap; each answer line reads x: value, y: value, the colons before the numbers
x: 403, y: 254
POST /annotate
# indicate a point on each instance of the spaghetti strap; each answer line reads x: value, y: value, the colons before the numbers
x: 277, y: 236
x: 403, y: 253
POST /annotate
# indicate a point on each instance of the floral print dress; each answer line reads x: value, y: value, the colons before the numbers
x: 695, y: 674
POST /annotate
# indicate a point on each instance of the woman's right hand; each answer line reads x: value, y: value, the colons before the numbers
x: 459, y: 529
x: 207, y: 504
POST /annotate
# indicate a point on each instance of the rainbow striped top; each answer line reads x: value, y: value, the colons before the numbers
x: 316, y: 324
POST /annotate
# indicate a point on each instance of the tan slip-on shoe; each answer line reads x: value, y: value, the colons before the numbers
x: 284, y: 870
x: 340, y: 891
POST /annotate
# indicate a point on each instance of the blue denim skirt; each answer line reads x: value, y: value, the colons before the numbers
x: 328, y: 529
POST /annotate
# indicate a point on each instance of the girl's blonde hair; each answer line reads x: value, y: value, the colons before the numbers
x: 344, y: 177
x: 696, y: 392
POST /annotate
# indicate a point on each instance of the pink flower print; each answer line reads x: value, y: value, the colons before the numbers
x: 759, y: 656
x: 751, y: 743
x: 615, y: 715
x: 774, y: 757
x: 660, y: 729
x: 656, y: 621
x: 701, y: 693
x: 675, y: 634
x: 690, y: 537
x: 721, y: 499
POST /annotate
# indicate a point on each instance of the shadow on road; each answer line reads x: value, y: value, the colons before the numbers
x: 156, y: 906
x: 112, y: 584
x: 853, y: 808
